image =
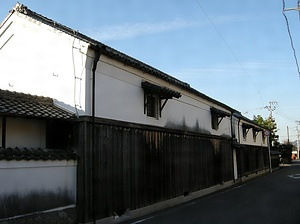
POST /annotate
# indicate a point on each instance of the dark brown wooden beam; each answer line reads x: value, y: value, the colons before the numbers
x: 3, y: 132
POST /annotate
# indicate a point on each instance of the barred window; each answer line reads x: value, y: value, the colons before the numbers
x: 152, y: 105
x: 156, y: 97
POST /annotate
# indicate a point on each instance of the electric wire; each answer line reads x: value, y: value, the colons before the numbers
x: 229, y: 48
x: 281, y: 112
x: 290, y: 36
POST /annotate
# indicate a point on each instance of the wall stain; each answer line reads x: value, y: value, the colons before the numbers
x: 15, y: 204
x: 184, y: 127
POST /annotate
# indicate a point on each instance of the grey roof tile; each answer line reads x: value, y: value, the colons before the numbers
x: 18, y: 154
x: 24, y: 105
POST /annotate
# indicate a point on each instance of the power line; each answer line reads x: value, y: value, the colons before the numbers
x: 229, y: 48
x: 290, y: 34
x: 282, y: 113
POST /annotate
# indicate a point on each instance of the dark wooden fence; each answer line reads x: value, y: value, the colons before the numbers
x: 252, y: 159
x: 132, y: 167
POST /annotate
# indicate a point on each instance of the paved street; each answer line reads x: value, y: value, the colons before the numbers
x: 274, y: 198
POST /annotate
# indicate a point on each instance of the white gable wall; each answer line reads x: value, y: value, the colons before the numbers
x: 41, y: 60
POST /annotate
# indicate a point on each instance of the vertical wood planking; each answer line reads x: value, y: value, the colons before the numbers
x: 137, y: 167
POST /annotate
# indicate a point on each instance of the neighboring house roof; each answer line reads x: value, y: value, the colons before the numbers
x: 36, y: 154
x: 15, y: 104
x: 119, y: 56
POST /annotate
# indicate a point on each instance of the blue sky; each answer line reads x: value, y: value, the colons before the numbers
x: 238, y: 53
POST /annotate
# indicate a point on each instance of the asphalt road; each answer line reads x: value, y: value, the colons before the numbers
x: 273, y: 198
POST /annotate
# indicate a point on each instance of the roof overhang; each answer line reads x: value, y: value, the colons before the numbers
x: 219, y: 113
x: 163, y: 92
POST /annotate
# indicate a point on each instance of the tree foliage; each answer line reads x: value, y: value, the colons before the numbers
x: 270, y: 124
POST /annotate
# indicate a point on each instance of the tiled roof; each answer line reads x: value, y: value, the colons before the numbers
x: 36, y: 154
x: 25, y: 105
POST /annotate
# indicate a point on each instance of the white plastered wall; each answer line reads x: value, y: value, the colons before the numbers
x: 119, y: 96
x: 44, y: 176
x: 250, y: 138
x: 40, y: 60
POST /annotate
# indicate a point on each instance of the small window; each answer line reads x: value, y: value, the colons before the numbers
x: 151, y: 105
x: 217, y: 117
x: 156, y: 97
x: 214, y: 121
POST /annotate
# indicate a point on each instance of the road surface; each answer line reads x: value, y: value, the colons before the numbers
x: 273, y: 198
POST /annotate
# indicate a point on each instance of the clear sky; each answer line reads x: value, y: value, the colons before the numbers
x: 237, y: 52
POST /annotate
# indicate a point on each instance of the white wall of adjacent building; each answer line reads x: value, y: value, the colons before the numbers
x: 23, y: 177
x: 41, y: 60
x: 52, y: 183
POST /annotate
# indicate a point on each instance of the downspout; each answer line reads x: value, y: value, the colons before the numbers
x: 96, y: 59
x: 239, y: 141
x: 233, y: 136
x: 237, y: 137
x: 93, y: 160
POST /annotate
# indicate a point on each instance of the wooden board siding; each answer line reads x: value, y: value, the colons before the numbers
x: 252, y: 159
x: 135, y: 167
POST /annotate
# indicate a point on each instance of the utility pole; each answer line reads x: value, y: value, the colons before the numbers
x: 297, y: 142
x: 271, y: 107
x: 298, y: 123
x: 288, y: 134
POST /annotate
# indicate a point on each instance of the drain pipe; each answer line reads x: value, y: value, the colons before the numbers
x: 238, y: 140
x: 96, y: 59
x: 98, y: 51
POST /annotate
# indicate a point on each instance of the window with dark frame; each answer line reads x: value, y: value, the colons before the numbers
x: 214, y: 121
x: 151, y: 105
x: 217, y: 117
x: 156, y: 97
